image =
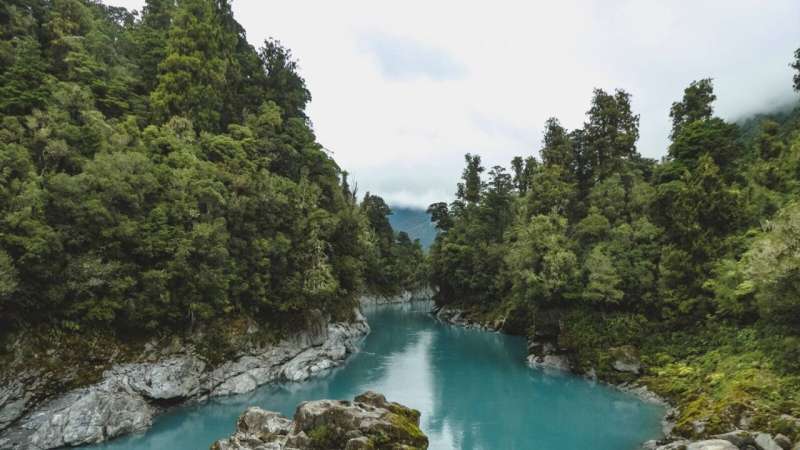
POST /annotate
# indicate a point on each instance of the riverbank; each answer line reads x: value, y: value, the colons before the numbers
x: 713, y: 386
x: 127, y: 396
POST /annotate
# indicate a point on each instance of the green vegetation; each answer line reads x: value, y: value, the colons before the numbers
x: 691, y: 262
x: 159, y: 172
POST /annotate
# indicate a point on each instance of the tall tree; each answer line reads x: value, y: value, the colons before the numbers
x: 191, y: 79
x: 283, y: 84
x: 696, y: 105
x: 469, y: 190
x: 611, y: 132
x: 557, y: 147
x: 22, y: 85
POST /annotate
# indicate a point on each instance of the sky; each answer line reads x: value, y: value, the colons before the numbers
x: 402, y: 90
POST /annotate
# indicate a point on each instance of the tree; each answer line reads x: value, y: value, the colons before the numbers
x: 713, y: 137
x: 191, y: 78
x: 557, y: 147
x: 22, y: 85
x: 611, y: 133
x: 283, y: 84
x: 772, y: 267
x: 440, y: 215
x: 696, y: 105
x: 470, y: 189
x: 603, y: 281
x: 150, y: 40
x: 540, y: 260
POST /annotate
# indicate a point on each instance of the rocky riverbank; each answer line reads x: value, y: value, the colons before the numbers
x: 417, y: 295
x: 544, y: 352
x: 129, y: 395
x: 368, y: 422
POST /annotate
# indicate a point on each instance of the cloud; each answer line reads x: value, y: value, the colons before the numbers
x: 404, y: 59
x: 401, y: 90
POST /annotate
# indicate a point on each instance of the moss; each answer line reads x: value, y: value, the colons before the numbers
x: 326, y: 438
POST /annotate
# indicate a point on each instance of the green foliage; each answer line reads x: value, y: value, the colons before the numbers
x: 696, y: 105
x: 692, y: 260
x: 159, y: 173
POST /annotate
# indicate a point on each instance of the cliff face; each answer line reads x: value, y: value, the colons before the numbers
x: 129, y: 395
x: 368, y: 422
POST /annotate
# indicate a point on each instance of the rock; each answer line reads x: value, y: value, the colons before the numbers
x: 173, y: 378
x: 677, y: 445
x: 626, y: 359
x: 83, y: 416
x: 330, y: 424
x: 765, y: 442
x: 712, y: 444
x: 738, y: 438
x: 551, y: 362
x: 783, y: 441
x: 129, y: 395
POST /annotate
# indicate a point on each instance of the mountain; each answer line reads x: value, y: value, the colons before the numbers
x: 416, y: 222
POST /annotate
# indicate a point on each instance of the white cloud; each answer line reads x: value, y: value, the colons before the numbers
x: 402, y: 90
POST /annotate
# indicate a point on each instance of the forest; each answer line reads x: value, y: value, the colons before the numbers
x: 693, y: 260
x: 158, y: 172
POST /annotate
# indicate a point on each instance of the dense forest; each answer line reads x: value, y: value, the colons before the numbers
x: 159, y: 171
x: 693, y: 260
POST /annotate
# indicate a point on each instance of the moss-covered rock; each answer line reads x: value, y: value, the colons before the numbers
x: 369, y: 422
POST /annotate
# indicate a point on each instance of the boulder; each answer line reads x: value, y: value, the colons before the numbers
x: 712, y: 444
x: 783, y: 442
x: 368, y: 422
x: 550, y: 362
x: 765, y: 442
x: 626, y: 359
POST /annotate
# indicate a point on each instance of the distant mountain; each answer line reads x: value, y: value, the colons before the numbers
x: 416, y: 222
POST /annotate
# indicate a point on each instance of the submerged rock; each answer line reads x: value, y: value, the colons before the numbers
x: 368, y: 422
x: 129, y: 395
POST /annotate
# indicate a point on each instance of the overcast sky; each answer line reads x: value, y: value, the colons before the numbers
x: 401, y: 90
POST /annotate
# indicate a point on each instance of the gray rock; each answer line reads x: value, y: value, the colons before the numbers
x: 783, y: 441
x: 712, y: 444
x: 129, y: 394
x: 176, y: 377
x: 677, y: 445
x: 83, y: 416
x: 626, y: 359
x: 738, y: 438
x: 550, y: 362
x: 765, y: 442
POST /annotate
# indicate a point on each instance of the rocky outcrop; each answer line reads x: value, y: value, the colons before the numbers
x: 129, y: 395
x: 368, y: 422
x: 408, y: 296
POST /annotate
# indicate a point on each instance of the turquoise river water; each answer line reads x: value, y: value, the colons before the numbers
x: 473, y: 388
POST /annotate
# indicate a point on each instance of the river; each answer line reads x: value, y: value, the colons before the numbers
x: 473, y: 388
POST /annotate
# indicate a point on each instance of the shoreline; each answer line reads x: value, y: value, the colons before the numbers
x: 454, y: 316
